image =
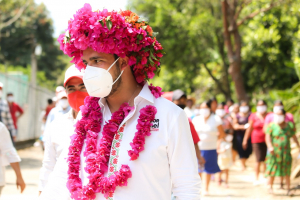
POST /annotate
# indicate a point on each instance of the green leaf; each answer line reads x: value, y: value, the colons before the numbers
x: 151, y: 61
x: 144, y: 27
x: 109, y: 24
x: 154, y: 34
x: 108, y: 18
x: 101, y: 22
x: 152, y: 56
x: 140, y: 37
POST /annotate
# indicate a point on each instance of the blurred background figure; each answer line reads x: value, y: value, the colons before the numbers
x: 5, y: 115
x: 256, y: 132
x: 225, y: 160
x: 214, y: 104
x: 14, y: 109
x: 189, y: 109
x: 278, y: 105
x: 62, y: 107
x: 210, y: 130
x: 59, y: 89
x: 240, y: 124
x: 279, y: 161
x: 8, y: 155
x: 49, y: 107
x: 229, y: 103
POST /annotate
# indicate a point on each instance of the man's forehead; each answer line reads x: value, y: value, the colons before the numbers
x: 90, y: 53
x: 74, y: 81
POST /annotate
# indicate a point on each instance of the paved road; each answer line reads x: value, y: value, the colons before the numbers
x: 240, y: 183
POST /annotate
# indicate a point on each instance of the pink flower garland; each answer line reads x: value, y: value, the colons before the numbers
x: 122, y: 33
x: 97, y: 158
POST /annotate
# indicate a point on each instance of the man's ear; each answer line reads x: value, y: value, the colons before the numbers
x: 124, y: 62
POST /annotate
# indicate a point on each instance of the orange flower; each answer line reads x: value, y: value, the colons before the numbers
x: 149, y: 30
x: 125, y: 13
x: 133, y: 17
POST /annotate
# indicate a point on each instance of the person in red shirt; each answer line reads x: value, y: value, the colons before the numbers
x: 179, y: 98
x: 14, y: 109
x: 49, y: 108
x: 255, y: 130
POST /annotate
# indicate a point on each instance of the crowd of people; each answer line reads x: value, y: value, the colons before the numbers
x: 108, y: 134
x: 229, y: 129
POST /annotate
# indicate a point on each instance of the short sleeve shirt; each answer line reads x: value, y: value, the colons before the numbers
x: 207, y: 131
x: 257, y: 135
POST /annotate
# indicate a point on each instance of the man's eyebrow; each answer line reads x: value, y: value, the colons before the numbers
x: 82, y: 84
x: 70, y: 86
x: 94, y: 58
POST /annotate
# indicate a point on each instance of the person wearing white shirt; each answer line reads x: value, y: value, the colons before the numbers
x: 57, y: 135
x: 62, y: 107
x: 136, y: 144
x: 209, y: 128
x: 8, y: 155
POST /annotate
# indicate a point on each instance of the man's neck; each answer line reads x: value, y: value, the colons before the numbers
x: 74, y: 113
x: 125, y: 93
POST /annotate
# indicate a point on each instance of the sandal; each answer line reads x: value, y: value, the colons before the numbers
x: 290, y: 193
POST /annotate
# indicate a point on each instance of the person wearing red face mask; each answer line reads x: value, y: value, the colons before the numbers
x: 57, y: 135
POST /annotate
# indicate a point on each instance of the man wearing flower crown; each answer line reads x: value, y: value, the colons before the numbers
x: 129, y: 143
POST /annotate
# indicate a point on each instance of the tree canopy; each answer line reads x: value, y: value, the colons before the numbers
x: 192, y: 34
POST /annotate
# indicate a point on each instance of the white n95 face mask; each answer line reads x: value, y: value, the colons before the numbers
x: 98, y: 82
x: 205, y: 112
x: 278, y: 119
x: 63, y: 103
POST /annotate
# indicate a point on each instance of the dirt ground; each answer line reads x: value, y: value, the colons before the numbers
x: 240, y: 183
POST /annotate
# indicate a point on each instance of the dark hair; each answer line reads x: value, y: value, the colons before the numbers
x: 10, y: 93
x: 208, y: 103
x: 49, y: 101
x: 213, y: 99
x: 243, y: 101
x: 221, y: 104
x: 116, y: 56
x: 278, y: 102
x: 231, y: 100
x: 283, y: 111
x: 261, y: 100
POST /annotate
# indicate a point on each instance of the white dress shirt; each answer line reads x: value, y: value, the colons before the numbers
x: 167, y: 164
x: 8, y: 153
x: 55, y: 112
x: 57, y: 137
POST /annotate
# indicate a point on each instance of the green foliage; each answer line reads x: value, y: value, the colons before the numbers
x: 267, y: 52
x: 191, y: 32
x: 19, y: 39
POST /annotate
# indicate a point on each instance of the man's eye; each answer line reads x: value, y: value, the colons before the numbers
x: 97, y: 61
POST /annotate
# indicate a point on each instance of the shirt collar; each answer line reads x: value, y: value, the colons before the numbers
x: 145, y: 94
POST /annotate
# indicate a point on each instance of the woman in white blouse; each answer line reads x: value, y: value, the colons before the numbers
x: 8, y: 155
x: 209, y: 128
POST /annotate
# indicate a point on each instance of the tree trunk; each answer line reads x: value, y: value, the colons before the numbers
x: 234, y: 54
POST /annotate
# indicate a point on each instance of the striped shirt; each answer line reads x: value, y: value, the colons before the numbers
x: 6, y: 118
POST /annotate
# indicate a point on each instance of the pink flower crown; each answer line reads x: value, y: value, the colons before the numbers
x: 122, y: 33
